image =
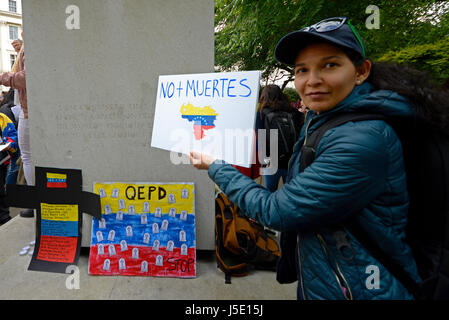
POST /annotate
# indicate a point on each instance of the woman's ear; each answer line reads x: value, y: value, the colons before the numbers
x: 363, y: 71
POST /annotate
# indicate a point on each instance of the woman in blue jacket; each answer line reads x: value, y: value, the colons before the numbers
x: 358, y: 172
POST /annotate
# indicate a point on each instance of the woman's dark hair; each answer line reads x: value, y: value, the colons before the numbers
x: 445, y: 85
x: 426, y: 95
x: 8, y: 97
x: 429, y: 99
x: 273, y: 97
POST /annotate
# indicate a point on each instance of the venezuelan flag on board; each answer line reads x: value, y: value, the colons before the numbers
x: 56, y: 180
x: 203, y: 118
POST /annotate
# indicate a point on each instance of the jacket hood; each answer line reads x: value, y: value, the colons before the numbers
x: 363, y: 99
x: 385, y: 102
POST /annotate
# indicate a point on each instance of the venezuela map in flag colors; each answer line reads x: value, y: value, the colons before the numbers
x: 203, y: 118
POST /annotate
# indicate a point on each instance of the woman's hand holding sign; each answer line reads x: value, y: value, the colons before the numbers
x: 201, y: 161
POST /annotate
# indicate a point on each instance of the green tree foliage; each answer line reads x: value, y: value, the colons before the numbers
x: 433, y: 58
x: 291, y: 94
x: 247, y: 31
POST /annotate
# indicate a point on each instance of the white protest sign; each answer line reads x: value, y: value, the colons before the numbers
x: 213, y: 113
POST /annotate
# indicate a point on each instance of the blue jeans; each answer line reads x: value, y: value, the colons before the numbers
x: 272, y: 181
x: 13, y: 169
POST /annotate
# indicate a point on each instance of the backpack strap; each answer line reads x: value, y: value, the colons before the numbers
x: 308, y: 151
x: 308, y: 154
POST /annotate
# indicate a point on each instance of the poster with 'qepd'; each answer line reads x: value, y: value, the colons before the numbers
x: 146, y: 229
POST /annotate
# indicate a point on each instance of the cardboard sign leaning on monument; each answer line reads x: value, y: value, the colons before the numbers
x: 59, y: 201
x: 213, y: 113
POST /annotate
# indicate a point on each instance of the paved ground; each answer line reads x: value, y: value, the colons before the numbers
x: 16, y: 282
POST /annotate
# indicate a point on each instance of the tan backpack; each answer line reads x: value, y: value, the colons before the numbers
x: 241, y: 244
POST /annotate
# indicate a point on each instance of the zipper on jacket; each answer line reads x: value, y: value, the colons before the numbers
x: 307, y: 129
x: 300, y: 269
x: 340, y: 277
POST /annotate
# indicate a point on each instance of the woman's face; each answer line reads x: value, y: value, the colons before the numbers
x: 324, y: 76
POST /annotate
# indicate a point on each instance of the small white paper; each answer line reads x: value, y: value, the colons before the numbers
x: 111, y: 235
x: 159, y: 261
x: 156, y: 245
x: 183, y: 249
x: 115, y: 193
x: 122, y: 264
x: 102, y: 193
x: 121, y: 204
x: 164, y: 225
x: 182, y: 236
x: 172, y: 212
x: 144, y: 266
x: 102, y: 223
x: 171, y: 198
x: 129, y: 231
x: 146, y: 238
x: 135, y: 253
x: 107, y: 209
x: 111, y: 250
x: 99, y: 236
x: 107, y: 265
x: 123, y: 245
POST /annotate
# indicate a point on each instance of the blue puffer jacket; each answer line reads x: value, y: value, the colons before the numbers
x: 358, y: 171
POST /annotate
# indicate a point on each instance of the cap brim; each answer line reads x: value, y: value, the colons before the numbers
x: 289, y: 46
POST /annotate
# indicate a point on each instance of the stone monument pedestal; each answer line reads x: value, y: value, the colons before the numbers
x: 92, y: 73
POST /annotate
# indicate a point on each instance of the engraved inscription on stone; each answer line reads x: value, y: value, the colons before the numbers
x: 104, y: 122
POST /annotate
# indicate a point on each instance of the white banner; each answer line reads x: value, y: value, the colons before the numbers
x: 213, y: 113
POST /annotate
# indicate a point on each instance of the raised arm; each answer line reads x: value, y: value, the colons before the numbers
x: 15, y: 80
